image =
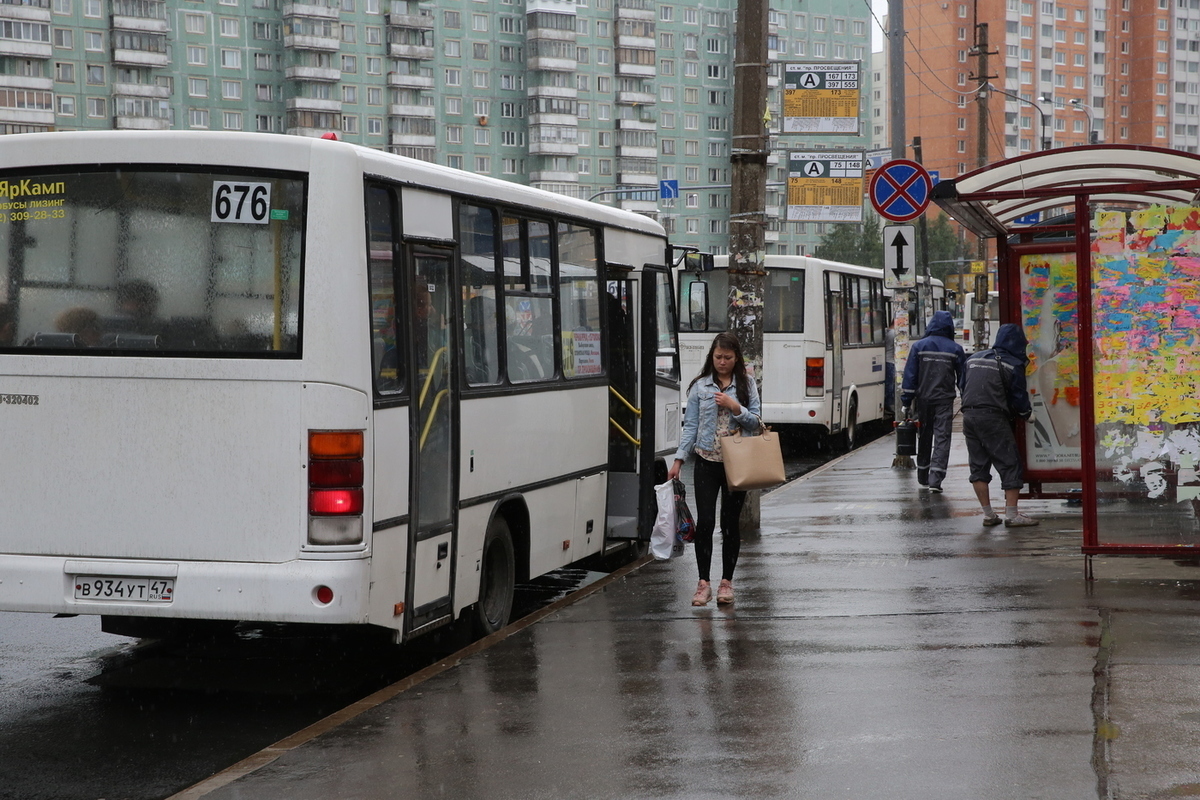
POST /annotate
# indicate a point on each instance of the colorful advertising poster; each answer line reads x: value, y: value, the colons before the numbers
x: 1146, y: 305
x: 1049, y: 301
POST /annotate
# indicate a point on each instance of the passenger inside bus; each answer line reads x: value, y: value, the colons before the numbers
x: 8, y: 325
x: 137, y: 308
x: 84, y: 323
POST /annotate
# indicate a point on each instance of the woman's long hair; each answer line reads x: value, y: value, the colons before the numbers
x: 727, y: 341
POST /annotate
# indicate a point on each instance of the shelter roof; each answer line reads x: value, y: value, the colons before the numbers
x: 988, y: 200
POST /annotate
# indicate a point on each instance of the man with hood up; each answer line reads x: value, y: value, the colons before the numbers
x: 993, y: 393
x: 931, y: 376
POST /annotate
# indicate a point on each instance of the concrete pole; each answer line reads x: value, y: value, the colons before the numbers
x: 748, y: 197
x: 899, y: 143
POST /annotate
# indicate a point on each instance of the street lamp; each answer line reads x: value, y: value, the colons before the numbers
x: 1041, y: 113
x: 1093, y: 134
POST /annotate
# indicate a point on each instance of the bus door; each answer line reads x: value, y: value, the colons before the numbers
x: 624, y: 425
x: 836, y: 337
x: 433, y: 450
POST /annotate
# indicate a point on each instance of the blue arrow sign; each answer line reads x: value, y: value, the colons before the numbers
x: 668, y: 190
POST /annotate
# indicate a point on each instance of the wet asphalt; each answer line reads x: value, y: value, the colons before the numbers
x: 883, y: 644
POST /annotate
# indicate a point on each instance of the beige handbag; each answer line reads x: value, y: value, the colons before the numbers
x: 752, y: 462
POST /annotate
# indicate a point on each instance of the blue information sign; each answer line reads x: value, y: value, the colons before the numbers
x: 900, y: 190
x: 668, y: 189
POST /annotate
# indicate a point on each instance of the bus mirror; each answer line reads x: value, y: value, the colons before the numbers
x: 698, y: 262
x: 698, y: 305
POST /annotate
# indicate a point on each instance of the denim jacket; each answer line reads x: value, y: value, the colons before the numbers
x: 700, y: 419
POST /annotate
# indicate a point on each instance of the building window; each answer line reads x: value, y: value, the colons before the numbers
x: 483, y: 164
x: 230, y: 27
x: 349, y: 64
x: 64, y: 72
x: 198, y: 117
x: 64, y: 38
x: 232, y: 120
x: 97, y: 107
x: 66, y: 106
x: 93, y: 41
x: 194, y: 23
x: 198, y: 87
x: 95, y: 76
x: 198, y: 56
x: 350, y: 124
x: 231, y: 59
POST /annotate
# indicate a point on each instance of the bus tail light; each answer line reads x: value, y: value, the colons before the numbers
x: 335, y: 487
x: 814, y: 377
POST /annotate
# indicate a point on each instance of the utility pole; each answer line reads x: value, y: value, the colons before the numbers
x: 748, y: 201
x: 926, y: 297
x: 982, y: 52
x: 899, y: 143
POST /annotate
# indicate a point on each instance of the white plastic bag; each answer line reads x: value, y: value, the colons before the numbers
x: 664, y: 539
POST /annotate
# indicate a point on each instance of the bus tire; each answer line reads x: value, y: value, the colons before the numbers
x: 850, y: 432
x: 497, y: 579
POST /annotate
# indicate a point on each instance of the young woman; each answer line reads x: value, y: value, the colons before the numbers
x: 722, y: 400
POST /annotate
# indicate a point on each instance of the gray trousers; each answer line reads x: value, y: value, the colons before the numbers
x: 992, y: 443
x: 933, y: 441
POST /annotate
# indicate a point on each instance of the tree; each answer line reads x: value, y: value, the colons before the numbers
x: 851, y: 243
x: 947, y: 254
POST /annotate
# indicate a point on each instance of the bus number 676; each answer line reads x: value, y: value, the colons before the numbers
x: 241, y: 202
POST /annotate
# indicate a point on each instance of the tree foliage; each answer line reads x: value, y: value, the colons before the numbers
x: 863, y: 245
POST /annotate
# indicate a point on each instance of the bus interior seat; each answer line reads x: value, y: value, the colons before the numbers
x: 56, y: 340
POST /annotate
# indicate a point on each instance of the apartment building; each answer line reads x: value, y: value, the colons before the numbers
x: 1063, y: 73
x: 591, y: 98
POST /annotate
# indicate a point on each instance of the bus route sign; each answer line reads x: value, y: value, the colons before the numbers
x: 825, y: 186
x: 900, y: 190
x: 819, y: 97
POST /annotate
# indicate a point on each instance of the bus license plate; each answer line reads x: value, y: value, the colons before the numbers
x: 137, y: 590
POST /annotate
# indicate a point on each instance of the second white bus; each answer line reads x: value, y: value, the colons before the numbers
x: 824, y: 330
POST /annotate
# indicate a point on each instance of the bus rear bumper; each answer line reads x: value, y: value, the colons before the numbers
x: 811, y: 415
x: 286, y: 592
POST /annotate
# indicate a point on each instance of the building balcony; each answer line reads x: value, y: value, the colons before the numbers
x: 25, y: 13
x: 553, y: 6
x: 143, y: 24
x: 322, y: 74
x: 10, y: 47
x: 141, y: 90
x: 770, y: 236
x: 421, y: 22
x: 417, y: 52
x: 27, y: 116
x: 637, y: 152
x: 636, y: 99
x: 637, y: 42
x: 565, y: 120
x: 313, y: 104
x: 550, y: 176
x: 142, y: 123
x: 646, y: 123
x: 310, y: 10
x: 637, y: 70
x: 24, y: 82
x: 553, y: 148
x: 140, y: 58
x: 568, y: 92
x: 305, y: 42
x: 639, y: 205
x: 401, y: 80
x: 412, y: 140
x: 637, y: 178
x: 314, y: 133
x: 637, y: 9
x: 417, y: 112
x: 551, y: 64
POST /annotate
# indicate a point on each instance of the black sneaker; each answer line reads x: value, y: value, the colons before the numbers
x: 936, y: 488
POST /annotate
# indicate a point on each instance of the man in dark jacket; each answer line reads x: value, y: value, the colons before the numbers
x: 993, y: 392
x: 931, y: 376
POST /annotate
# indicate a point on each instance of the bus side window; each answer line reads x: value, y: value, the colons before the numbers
x: 477, y: 241
x: 385, y: 351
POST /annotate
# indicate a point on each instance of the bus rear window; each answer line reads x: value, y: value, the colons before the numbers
x: 151, y: 262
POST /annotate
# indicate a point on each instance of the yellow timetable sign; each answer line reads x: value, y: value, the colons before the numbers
x: 825, y: 186
x: 821, y: 97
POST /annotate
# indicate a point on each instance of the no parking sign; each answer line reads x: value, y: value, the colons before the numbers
x: 900, y: 190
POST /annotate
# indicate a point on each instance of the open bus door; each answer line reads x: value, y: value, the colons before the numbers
x: 836, y: 337
x: 631, y: 320
x: 433, y: 450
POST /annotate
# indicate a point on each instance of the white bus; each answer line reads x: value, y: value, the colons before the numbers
x: 276, y: 378
x: 990, y: 314
x: 824, y: 332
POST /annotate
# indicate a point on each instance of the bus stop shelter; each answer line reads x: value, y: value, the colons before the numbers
x: 1107, y: 289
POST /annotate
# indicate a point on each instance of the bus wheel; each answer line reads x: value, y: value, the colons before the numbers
x: 850, y: 433
x: 497, y: 579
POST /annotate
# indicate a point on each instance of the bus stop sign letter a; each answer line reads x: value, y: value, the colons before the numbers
x: 900, y: 190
